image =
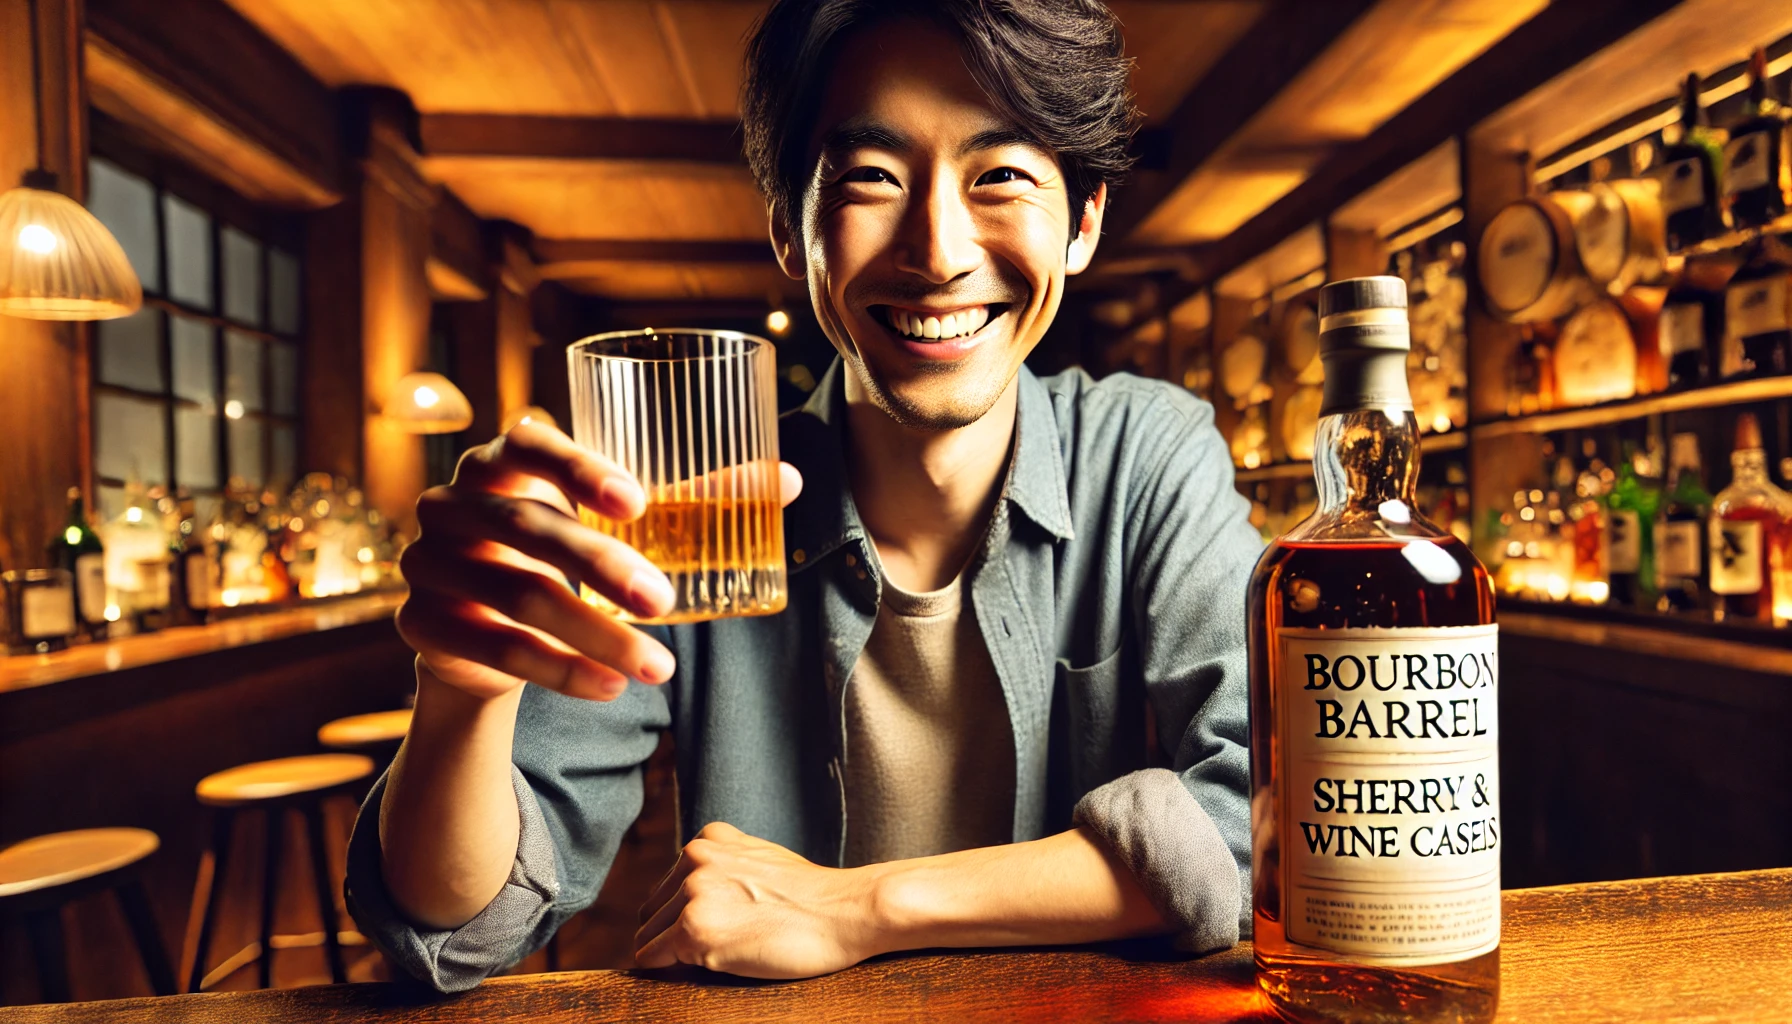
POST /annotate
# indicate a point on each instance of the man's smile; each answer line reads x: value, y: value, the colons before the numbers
x: 939, y: 332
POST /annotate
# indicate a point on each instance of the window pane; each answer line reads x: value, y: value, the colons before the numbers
x: 195, y: 447
x: 130, y: 352
x: 283, y: 292
x: 247, y: 459
x: 243, y: 380
x: 126, y: 204
x: 283, y: 457
x: 111, y: 503
x: 283, y: 379
x: 242, y: 277
x: 189, y: 253
x: 207, y: 507
x: 130, y: 440
x: 195, y: 360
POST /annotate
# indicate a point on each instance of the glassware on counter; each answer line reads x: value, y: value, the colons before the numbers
x: 40, y: 610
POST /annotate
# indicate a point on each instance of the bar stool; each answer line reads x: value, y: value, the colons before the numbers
x: 40, y: 875
x: 274, y: 787
x: 377, y: 731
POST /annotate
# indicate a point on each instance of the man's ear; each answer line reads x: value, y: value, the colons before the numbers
x: 790, y: 255
x: 1088, y: 232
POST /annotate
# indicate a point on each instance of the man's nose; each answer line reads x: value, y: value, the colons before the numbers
x: 939, y: 237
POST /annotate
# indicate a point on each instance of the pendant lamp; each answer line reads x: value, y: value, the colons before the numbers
x: 428, y: 403
x: 57, y: 261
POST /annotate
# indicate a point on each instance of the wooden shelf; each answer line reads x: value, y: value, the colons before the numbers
x: 1449, y: 441
x: 1738, y: 238
x: 1734, y: 393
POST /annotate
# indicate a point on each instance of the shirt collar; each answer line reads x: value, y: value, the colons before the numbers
x: 823, y: 517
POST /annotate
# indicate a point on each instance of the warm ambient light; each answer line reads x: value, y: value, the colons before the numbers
x: 777, y: 321
x: 58, y: 262
x: 233, y: 409
x: 428, y: 403
x: 72, y: 535
x: 526, y: 414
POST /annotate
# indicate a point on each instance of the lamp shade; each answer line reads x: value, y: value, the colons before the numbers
x: 428, y: 403
x: 58, y: 262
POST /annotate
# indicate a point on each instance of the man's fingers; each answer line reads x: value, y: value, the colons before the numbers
x: 446, y: 631
x: 540, y: 451
x: 668, y: 886
x: 545, y: 534
x: 663, y: 919
x: 541, y: 603
x: 664, y: 949
x: 790, y: 483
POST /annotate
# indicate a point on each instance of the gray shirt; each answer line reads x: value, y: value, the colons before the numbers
x: 1110, y: 592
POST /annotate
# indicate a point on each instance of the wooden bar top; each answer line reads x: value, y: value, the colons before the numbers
x: 24, y: 671
x: 1698, y: 947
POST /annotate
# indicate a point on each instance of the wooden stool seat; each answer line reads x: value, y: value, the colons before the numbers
x: 262, y: 781
x: 365, y: 730
x: 45, y: 862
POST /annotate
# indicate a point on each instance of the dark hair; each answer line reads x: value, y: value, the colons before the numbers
x: 1055, y: 68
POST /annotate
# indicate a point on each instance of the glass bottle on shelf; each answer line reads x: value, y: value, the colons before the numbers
x: 1630, y: 544
x: 1690, y: 171
x: 1680, y: 533
x: 1758, y: 157
x: 40, y: 610
x: 1692, y: 319
x: 1590, y: 582
x: 79, y: 550
x: 195, y: 566
x: 1758, y: 313
x: 1530, y: 376
x: 1748, y: 532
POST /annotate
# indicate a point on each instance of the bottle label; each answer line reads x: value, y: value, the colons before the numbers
x: 1756, y: 307
x: 199, y: 581
x: 1736, y: 556
x: 1624, y: 542
x: 1682, y: 329
x: 1390, y: 792
x: 90, y: 586
x: 1748, y: 159
x: 1682, y: 184
x: 46, y: 611
x: 1679, y: 550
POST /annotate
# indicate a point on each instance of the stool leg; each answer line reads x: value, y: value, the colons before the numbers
x: 326, y: 898
x: 149, y: 938
x: 221, y: 830
x: 270, y: 889
x: 51, y: 953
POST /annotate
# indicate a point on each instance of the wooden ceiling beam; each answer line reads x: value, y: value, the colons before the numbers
x: 605, y: 250
x: 1282, y: 42
x: 1556, y: 39
x: 581, y: 138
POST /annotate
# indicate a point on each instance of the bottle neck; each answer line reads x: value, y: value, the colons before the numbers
x: 1748, y: 466
x: 1365, y: 458
x: 1691, y: 116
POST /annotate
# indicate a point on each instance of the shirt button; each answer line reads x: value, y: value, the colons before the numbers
x: 798, y: 556
x: 861, y: 574
x: 851, y: 560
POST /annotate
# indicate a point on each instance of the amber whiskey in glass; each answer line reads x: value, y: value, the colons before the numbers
x: 1374, y: 717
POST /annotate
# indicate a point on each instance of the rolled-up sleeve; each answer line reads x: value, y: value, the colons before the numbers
x: 1186, y: 833
x: 577, y: 775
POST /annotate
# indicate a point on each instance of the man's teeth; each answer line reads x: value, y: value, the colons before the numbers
x: 952, y: 325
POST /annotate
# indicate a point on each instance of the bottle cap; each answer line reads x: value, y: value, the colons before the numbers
x: 1748, y: 431
x: 1363, y: 340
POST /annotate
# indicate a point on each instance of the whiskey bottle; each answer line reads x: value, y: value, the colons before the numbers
x: 1374, y: 716
x: 1748, y: 532
x: 1690, y: 172
x: 1758, y: 313
x: 1758, y: 157
x: 1630, y: 544
x: 79, y: 550
x: 1680, y: 534
x: 1691, y: 319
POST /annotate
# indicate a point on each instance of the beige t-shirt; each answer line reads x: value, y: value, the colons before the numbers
x: 929, y: 751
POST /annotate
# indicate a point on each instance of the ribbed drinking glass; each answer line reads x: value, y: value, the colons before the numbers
x: 693, y: 415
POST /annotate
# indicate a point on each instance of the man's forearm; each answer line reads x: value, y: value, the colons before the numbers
x: 448, y: 821
x: 1065, y: 888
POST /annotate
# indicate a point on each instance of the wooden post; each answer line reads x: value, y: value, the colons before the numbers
x: 44, y: 421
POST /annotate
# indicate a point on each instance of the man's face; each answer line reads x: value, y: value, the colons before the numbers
x: 934, y: 237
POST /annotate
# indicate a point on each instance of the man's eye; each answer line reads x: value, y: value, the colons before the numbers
x: 874, y: 175
x: 1001, y: 176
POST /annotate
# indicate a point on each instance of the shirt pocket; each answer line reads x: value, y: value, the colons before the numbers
x: 1104, y: 722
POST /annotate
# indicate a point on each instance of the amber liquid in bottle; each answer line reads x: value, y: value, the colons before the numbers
x: 1364, y: 564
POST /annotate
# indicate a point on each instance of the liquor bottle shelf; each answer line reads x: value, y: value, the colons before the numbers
x: 1448, y: 441
x: 1731, y: 393
x: 1735, y: 239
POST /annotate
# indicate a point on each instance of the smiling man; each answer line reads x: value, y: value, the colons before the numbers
x: 1006, y: 703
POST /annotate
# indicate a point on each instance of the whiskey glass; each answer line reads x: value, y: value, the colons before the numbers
x: 693, y: 415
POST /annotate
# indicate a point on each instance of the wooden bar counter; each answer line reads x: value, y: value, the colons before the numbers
x: 1696, y: 947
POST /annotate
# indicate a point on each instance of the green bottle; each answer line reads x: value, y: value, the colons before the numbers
x: 1630, y: 544
x: 78, y: 549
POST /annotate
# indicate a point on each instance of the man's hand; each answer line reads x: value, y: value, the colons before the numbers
x: 750, y: 907
x: 746, y: 906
